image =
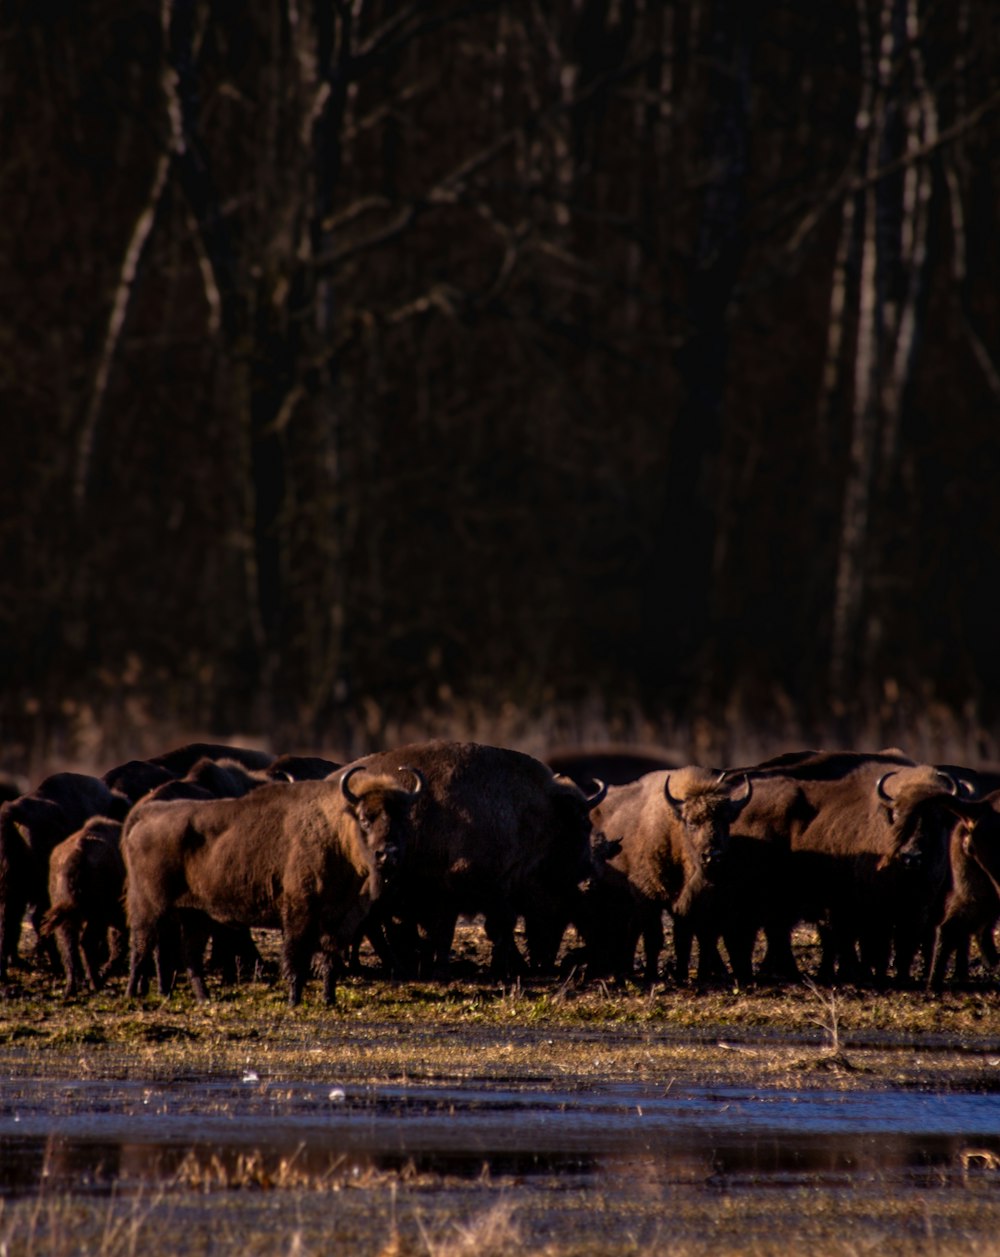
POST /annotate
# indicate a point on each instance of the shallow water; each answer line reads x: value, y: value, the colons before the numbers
x: 89, y: 1137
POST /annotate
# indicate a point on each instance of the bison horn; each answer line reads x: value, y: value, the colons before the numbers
x: 675, y: 803
x: 418, y: 777
x: 345, y: 789
x: 599, y: 793
x: 740, y: 801
x: 950, y: 784
x: 880, y: 790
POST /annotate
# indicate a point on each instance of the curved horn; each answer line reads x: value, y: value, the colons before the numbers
x: 880, y: 790
x: 951, y: 785
x: 674, y: 802
x: 740, y: 801
x: 345, y: 789
x: 418, y: 777
x: 599, y: 793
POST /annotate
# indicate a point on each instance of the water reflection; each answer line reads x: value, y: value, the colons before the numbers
x: 95, y: 1136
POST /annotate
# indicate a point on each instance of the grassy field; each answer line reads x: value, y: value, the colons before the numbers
x: 471, y: 1033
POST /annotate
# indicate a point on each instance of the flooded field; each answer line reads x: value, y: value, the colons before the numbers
x: 466, y: 1118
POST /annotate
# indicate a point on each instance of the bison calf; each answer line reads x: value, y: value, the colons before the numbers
x: 87, y: 916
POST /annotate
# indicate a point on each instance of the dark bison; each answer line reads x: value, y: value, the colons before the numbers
x: 10, y: 788
x: 307, y: 857
x: 494, y: 832
x: 302, y: 768
x: 136, y: 778
x: 182, y: 759
x: 30, y: 827
x: 674, y: 830
x: 87, y: 916
x: 616, y: 765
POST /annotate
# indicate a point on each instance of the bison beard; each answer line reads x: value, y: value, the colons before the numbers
x: 307, y: 857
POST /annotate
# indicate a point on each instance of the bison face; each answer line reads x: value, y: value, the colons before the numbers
x: 922, y: 822
x: 381, y: 810
x: 706, y: 814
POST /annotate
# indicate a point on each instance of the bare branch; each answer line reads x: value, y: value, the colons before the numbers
x: 141, y: 232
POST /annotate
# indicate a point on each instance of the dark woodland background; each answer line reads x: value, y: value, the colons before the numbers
x: 596, y: 366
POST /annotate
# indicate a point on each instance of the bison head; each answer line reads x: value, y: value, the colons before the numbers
x: 381, y: 810
x: 706, y: 810
x: 920, y: 807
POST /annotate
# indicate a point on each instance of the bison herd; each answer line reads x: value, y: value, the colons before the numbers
x: 165, y: 864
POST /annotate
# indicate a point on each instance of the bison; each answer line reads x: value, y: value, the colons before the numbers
x: 30, y: 827
x: 978, y: 838
x: 674, y: 830
x: 87, y: 916
x: 233, y: 953
x: 617, y: 765
x: 136, y: 778
x: 182, y: 759
x: 959, y: 899
x: 307, y: 857
x: 494, y: 832
x: 832, y: 827
x: 302, y: 768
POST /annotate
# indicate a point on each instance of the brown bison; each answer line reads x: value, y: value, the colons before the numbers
x: 973, y: 905
x: 87, y: 916
x: 494, y: 832
x: 832, y: 827
x: 307, y: 857
x: 234, y: 953
x: 960, y: 902
x: 674, y: 829
x: 30, y: 827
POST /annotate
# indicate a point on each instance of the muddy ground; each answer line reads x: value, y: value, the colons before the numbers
x: 472, y: 1117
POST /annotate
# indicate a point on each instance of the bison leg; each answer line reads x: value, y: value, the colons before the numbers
x: 739, y: 941
x: 544, y: 938
x: 297, y: 947
x: 234, y: 953
x: 506, y: 961
x: 66, y: 943
x: 93, y: 947
x: 195, y: 929
x: 651, y: 929
x: 711, y: 966
x: 332, y: 968
x: 951, y: 938
x: 117, y: 951
x: 296, y: 960
x: 12, y: 911
x: 142, y: 942
x: 779, y: 963
x: 987, y: 946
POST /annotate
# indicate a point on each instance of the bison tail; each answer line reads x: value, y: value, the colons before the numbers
x: 59, y: 914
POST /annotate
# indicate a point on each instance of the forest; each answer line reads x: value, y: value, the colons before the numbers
x: 613, y: 365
